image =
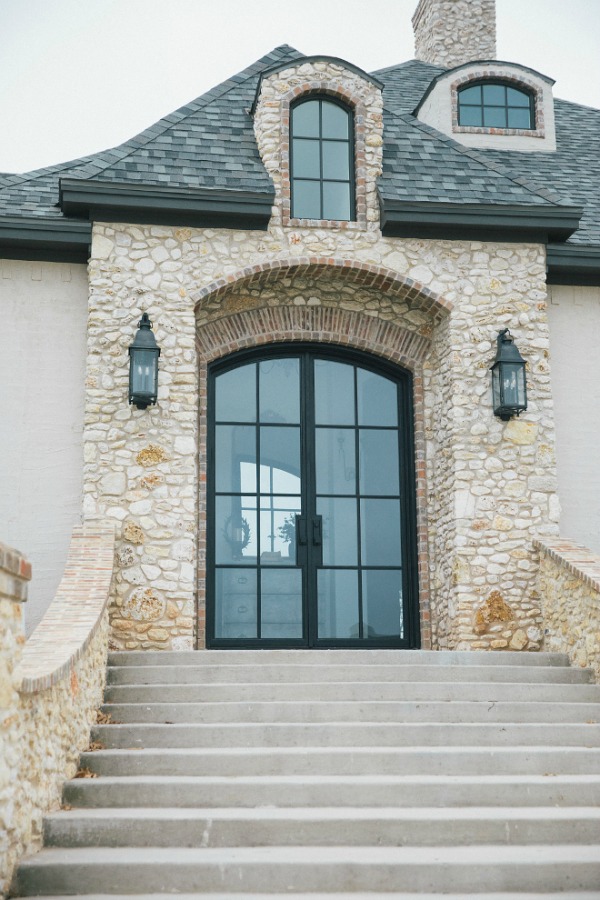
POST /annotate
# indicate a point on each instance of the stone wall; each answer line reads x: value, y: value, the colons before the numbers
x: 52, y: 686
x: 569, y: 587
x: 449, y: 33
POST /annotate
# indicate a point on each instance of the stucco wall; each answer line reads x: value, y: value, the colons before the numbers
x: 574, y: 314
x: 42, y: 368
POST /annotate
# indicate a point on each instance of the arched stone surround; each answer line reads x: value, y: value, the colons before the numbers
x: 286, y: 324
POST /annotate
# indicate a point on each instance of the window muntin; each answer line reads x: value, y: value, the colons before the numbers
x: 322, y: 164
x: 495, y: 105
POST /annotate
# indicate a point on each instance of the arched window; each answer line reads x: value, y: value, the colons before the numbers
x: 321, y: 160
x: 492, y: 104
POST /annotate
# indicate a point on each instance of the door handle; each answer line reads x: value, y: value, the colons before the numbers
x: 317, y: 531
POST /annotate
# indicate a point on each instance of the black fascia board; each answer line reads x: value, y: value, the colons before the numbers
x: 478, y: 221
x: 163, y: 205
x: 573, y: 264
x: 44, y: 239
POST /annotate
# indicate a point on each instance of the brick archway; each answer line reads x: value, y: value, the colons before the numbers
x: 347, y: 270
x: 286, y: 324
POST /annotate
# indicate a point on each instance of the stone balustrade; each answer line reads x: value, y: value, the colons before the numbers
x: 569, y: 585
x: 50, y: 686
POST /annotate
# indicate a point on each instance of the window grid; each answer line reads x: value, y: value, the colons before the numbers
x: 477, y: 111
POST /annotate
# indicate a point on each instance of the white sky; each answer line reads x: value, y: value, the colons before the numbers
x: 78, y: 76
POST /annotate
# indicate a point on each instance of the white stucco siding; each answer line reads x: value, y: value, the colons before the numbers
x: 43, y: 310
x: 574, y: 314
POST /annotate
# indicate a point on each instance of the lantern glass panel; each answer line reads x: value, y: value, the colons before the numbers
x: 497, y: 399
x: 144, y: 365
x: 513, y: 385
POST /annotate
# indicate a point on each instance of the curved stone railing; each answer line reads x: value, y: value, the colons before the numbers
x: 53, y: 687
x: 569, y: 585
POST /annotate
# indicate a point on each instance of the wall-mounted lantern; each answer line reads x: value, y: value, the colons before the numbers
x: 143, y: 365
x: 509, y: 385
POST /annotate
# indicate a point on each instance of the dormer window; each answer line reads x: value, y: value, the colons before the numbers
x: 492, y: 104
x: 321, y: 160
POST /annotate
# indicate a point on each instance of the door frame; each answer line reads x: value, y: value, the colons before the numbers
x: 408, y: 500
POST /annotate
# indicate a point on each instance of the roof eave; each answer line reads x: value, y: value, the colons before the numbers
x: 162, y: 205
x: 44, y: 239
x: 478, y: 221
x: 573, y: 264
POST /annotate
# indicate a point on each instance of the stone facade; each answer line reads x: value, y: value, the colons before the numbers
x: 449, y: 33
x: 50, y: 689
x: 569, y: 587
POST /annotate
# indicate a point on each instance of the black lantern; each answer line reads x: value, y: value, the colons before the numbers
x: 143, y: 366
x: 509, y: 387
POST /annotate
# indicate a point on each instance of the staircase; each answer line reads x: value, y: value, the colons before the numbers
x: 354, y: 773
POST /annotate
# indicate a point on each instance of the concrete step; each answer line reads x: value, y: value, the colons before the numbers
x: 241, y: 761
x: 320, y: 826
x: 324, y: 658
x: 345, y: 734
x: 357, y: 711
x: 440, y: 691
x: 163, y: 673
x: 402, y: 791
x: 325, y: 869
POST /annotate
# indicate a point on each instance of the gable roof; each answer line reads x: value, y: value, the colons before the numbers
x: 203, y: 159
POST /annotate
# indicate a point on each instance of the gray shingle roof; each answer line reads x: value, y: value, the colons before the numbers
x: 209, y: 143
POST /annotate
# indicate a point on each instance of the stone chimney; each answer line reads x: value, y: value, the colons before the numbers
x: 451, y: 32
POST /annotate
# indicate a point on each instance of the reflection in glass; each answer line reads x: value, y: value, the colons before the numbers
x: 336, y: 160
x: 307, y: 199
x: 279, y: 390
x: 336, y: 200
x: 380, y: 532
x: 519, y: 118
x: 494, y: 117
x: 335, y: 460
x: 235, y: 603
x: 382, y: 603
x: 278, y: 530
x: 377, y: 399
x: 494, y: 94
x: 340, y: 545
x: 280, y: 459
x: 236, y: 533
x: 306, y: 159
x: 334, y: 393
x: 379, y: 466
x: 281, y: 603
x: 338, y: 603
x: 335, y: 121
x: 235, y: 447
x: 306, y: 119
x: 235, y: 395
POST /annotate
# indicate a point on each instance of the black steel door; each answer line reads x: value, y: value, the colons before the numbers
x: 311, y: 526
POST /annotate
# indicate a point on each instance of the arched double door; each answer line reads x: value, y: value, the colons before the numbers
x: 311, y: 522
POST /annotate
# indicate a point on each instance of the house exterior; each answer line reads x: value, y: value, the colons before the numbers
x: 327, y: 257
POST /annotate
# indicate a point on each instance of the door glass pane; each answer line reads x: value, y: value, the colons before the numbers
x: 338, y: 603
x: 305, y: 119
x: 336, y: 160
x: 236, y: 533
x: 235, y: 395
x: 335, y: 121
x: 336, y: 201
x: 379, y: 465
x: 382, y: 603
x: 334, y: 393
x: 307, y: 199
x: 279, y: 390
x: 235, y: 447
x: 235, y: 603
x: 278, y: 530
x: 335, y: 460
x: 380, y: 532
x: 305, y: 161
x: 340, y: 546
x: 377, y: 399
x: 281, y: 603
x: 279, y: 459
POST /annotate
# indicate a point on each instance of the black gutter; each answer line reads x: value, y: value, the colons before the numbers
x: 478, y: 221
x: 573, y: 264
x: 44, y: 239
x: 144, y: 204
